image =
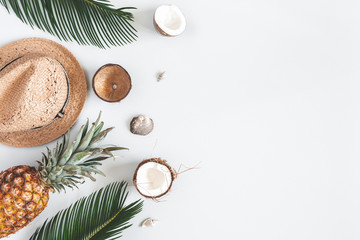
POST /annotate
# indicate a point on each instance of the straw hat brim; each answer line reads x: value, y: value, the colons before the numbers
x: 77, y: 96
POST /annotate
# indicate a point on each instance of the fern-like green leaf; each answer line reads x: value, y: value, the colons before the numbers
x: 100, y: 216
x: 88, y: 22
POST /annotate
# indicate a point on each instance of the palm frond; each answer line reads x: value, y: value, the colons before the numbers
x: 100, y: 216
x: 88, y: 22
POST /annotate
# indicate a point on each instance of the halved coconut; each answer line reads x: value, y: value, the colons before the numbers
x: 153, y: 178
x: 112, y: 83
x: 169, y: 21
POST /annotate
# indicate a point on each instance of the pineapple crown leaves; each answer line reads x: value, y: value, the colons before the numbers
x: 69, y: 163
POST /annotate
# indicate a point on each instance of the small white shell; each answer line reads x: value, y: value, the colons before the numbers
x: 149, y: 222
x: 161, y: 76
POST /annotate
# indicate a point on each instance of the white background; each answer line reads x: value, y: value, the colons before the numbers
x: 264, y: 93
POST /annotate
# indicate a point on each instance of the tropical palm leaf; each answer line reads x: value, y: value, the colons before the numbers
x: 100, y: 216
x: 94, y: 22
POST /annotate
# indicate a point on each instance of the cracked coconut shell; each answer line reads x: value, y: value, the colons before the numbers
x: 169, y: 21
x: 153, y: 178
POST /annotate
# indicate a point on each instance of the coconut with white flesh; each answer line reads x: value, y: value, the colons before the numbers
x: 169, y: 20
x: 153, y: 178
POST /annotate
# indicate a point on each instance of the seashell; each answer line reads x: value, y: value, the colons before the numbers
x: 149, y: 222
x: 141, y: 125
x: 161, y: 76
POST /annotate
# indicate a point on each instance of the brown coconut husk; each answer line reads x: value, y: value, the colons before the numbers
x: 106, y: 77
x: 159, y: 161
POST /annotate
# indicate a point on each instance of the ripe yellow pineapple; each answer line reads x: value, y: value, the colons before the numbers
x: 24, y: 190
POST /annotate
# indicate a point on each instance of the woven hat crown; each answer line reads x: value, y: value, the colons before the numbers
x: 34, y: 90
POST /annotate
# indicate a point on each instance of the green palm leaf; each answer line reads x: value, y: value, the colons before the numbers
x: 94, y: 22
x: 100, y: 216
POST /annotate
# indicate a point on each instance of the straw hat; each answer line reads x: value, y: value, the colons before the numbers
x: 42, y: 92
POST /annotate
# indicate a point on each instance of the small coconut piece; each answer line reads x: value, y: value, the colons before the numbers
x: 141, y: 125
x: 169, y: 20
x: 149, y: 222
x: 112, y: 83
x: 153, y: 178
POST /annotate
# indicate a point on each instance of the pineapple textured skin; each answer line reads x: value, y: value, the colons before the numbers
x: 22, y: 197
x: 24, y: 190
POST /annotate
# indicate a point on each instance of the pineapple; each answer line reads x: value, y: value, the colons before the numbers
x: 24, y: 190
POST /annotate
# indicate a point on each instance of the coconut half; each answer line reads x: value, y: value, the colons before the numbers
x: 153, y: 178
x: 169, y: 20
x: 111, y: 83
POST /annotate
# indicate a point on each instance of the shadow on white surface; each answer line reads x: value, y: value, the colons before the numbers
x: 144, y: 19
